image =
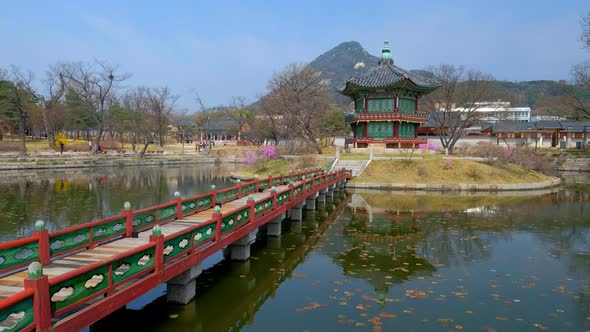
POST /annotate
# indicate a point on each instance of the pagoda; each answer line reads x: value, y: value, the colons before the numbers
x: 386, y: 100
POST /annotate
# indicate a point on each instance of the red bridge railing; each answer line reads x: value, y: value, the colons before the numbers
x: 129, y: 274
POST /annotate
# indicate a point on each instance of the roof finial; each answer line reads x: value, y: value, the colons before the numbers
x: 386, y: 57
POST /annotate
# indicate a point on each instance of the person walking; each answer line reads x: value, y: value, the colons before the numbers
x: 61, y: 147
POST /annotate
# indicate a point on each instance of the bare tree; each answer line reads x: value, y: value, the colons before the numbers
x: 239, y: 113
x: 23, y: 96
x: 184, y: 123
x: 161, y: 101
x: 300, y: 95
x: 55, y: 86
x: 96, y: 84
x: 582, y: 73
x: 456, y: 103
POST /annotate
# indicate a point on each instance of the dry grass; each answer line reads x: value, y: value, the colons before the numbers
x: 435, y: 171
x: 280, y: 166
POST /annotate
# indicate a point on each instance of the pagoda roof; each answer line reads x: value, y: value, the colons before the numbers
x: 388, y: 75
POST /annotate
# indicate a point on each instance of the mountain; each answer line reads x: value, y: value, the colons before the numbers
x: 350, y: 59
x: 343, y: 62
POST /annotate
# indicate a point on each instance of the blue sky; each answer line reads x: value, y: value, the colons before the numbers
x: 231, y: 48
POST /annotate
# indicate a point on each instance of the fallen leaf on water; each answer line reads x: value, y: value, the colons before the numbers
x: 173, y: 316
x: 459, y: 327
x: 469, y: 312
x: 387, y: 315
x: 501, y: 318
x: 445, y: 320
x: 415, y: 294
x: 541, y: 327
x: 376, y: 321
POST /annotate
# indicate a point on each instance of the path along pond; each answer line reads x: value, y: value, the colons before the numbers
x: 364, y: 261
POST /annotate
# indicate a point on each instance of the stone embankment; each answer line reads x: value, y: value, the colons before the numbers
x: 574, y: 165
x: 76, y: 162
x: 555, y: 182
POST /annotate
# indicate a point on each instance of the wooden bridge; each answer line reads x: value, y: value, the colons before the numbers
x: 81, y: 274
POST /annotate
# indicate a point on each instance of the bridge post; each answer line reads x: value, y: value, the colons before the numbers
x: 217, y: 217
x: 43, y: 235
x: 214, y: 196
x: 41, y: 301
x: 239, y: 188
x: 128, y: 213
x: 178, y: 201
x: 158, y: 238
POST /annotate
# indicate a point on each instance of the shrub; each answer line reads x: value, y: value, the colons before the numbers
x: 522, y: 156
x: 251, y: 158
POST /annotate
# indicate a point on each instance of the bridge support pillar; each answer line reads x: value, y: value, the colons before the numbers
x: 240, y: 250
x: 322, y: 195
x: 330, y: 192
x: 273, y: 227
x: 181, y: 289
x: 310, y: 201
x: 296, y: 212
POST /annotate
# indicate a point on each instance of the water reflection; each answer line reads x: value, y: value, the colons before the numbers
x: 402, y: 261
x: 69, y: 197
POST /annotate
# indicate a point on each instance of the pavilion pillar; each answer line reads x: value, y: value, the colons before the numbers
x: 568, y: 140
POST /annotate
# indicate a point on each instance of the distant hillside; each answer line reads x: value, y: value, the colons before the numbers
x: 350, y: 59
x: 344, y: 61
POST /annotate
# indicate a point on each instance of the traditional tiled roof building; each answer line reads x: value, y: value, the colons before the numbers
x: 386, y: 100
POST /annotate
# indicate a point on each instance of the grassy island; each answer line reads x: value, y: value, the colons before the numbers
x: 440, y: 171
x: 279, y: 166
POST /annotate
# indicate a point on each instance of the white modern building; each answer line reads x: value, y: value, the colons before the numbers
x: 492, y: 112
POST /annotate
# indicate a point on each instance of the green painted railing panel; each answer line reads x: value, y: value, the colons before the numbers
x: 109, y: 229
x: 277, y: 181
x: 18, y: 316
x: 407, y: 106
x: 19, y: 255
x: 177, y: 246
x: 166, y: 213
x: 203, y: 234
x: 189, y: 206
x: 263, y: 184
x: 250, y: 188
x: 263, y: 206
x: 283, y: 198
x: 298, y: 190
x: 78, y: 288
x: 71, y: 240
x: 307, y: 185
x: 227, y: 195
x: 234, y: 219
x: 132, y: 265
x: 144, y: 219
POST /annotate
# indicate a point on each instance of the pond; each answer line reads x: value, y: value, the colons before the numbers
x: 68, y: 197
x: 397, y: 261
x: 374, y: 261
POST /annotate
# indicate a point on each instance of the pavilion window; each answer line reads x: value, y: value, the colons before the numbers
x: 380, y: 105
x: 407, y: 106
x: 360, y: 103
x: 359, y: 130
